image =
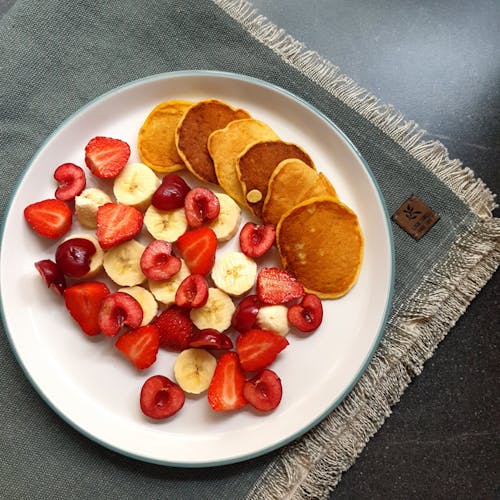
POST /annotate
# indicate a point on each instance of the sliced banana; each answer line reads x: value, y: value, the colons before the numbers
x: 226, y: 224
x: 234, y: 273
x: 97, y: 259
x: 122, y: 263
x: 194, y: 369
x: 164, y: 291
x: 216, y: 313
x: 165, y: 225
x: 145, y: 299
x: 274, y: 318
x: 86, y: 205
x: 135, y: 185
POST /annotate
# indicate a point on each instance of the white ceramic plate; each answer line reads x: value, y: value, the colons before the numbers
x: 94, y: 388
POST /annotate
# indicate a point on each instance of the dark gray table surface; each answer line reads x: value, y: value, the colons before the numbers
x: 439, y: 64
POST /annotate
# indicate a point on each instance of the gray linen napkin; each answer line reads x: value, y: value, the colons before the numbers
x: 55, y: 57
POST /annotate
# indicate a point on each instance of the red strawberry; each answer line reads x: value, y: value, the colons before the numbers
x: 160, y: 397
x: 264, y: 391
x: 198, y: 248
x: 106, y: 157
x: 83, y: 302
x: 49, y: 218
x: 276, y: 286
x: 245, y: 314
x: 71, y: 179
x: 140, y: 345
x: 175, y: 328
x: 200, y: 206
x: 259, y: 348
x: 210, y: 339
x: 307, y: 315
x: 52, y: 275
x: 192, y: 292
x: 226, y: 388
x: 117, y: 223
x: 256, y: 239
x: 157, y: 262
x: 119, y: 309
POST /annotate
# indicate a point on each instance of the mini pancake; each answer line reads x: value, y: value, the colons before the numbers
x: 193, y: 131
x: 156, y: 140
x: 321, y: 244
x: 227, y: 144
x: 291, y: 183
x: 256, y: 165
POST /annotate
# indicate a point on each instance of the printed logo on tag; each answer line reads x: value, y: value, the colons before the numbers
x: 415, y: 217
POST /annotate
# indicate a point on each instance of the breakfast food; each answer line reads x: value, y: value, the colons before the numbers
x: 192, y: 133
x: 334, y: 245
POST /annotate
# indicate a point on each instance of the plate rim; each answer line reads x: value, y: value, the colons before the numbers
x: 241, y: 457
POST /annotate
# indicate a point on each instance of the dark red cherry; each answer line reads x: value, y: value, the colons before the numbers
x: 171, y: 193
x: 73, y: 256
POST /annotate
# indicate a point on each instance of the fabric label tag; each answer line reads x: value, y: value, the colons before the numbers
x: 415, y: 217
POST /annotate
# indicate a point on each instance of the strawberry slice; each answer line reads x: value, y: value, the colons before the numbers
x: 71, y: 179
x: 117, y: 223
x: 140, y: 345
x: 83, y: 302
x: 157, y: 262
x: 257, y: 349
x: 197, y: 248
x: 175, y: 328
x: 277, y: 286
x: 106, y: 157
x: 264, y: 391
x: 257, y: 239
x: 119, y: 309
x: 160, y: 397
x: 307, y: 315
x: 49, y: 218
x: 192, y: 292
x: 225, y: 391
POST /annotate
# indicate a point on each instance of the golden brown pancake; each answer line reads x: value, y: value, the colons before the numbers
x: 227, y: 144
x: 257, y: 163
x: 156, y: 140
x: 321, y: 244
x: 292, y: 182
x: 193, y: 131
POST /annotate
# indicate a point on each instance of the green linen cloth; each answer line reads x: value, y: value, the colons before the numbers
x: 55, y: 57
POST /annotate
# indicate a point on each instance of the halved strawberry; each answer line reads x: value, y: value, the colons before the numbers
x: 192, y: 292
x: 49, y: 218
x: 117, y: 223
x: 160, y: 397
x: 277, y: 286
x: 264, y: 391
x: 157, y: 262
x: 83, y: 302
x: 257, y: 349
x: 225, y: 391
x: 307, y: 315
x: 175, y: 328
x: 140, y: 345
x: 257, y: 239
x: 201, y: 206
x: 210, y: 339
x: 52, y: 275
x: 198, y: 248
x: 119, y: 309
x: 106, y: 157
x: 71, y: 179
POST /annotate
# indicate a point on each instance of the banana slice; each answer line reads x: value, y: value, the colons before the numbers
x: 234, y: 273
x: 97, y: 259
x: 165, y: 225
x: 274, y: 318
x: 145, y: 299
x: 164, y: 291
x: 121, y: 263
x: 135, y: 185
x: 86, y: 205
x: 216, y: 313
x: 194, y: 369
x: 226, y: 224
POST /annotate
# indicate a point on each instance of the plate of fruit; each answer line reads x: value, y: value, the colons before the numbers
x: 203, y: 268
